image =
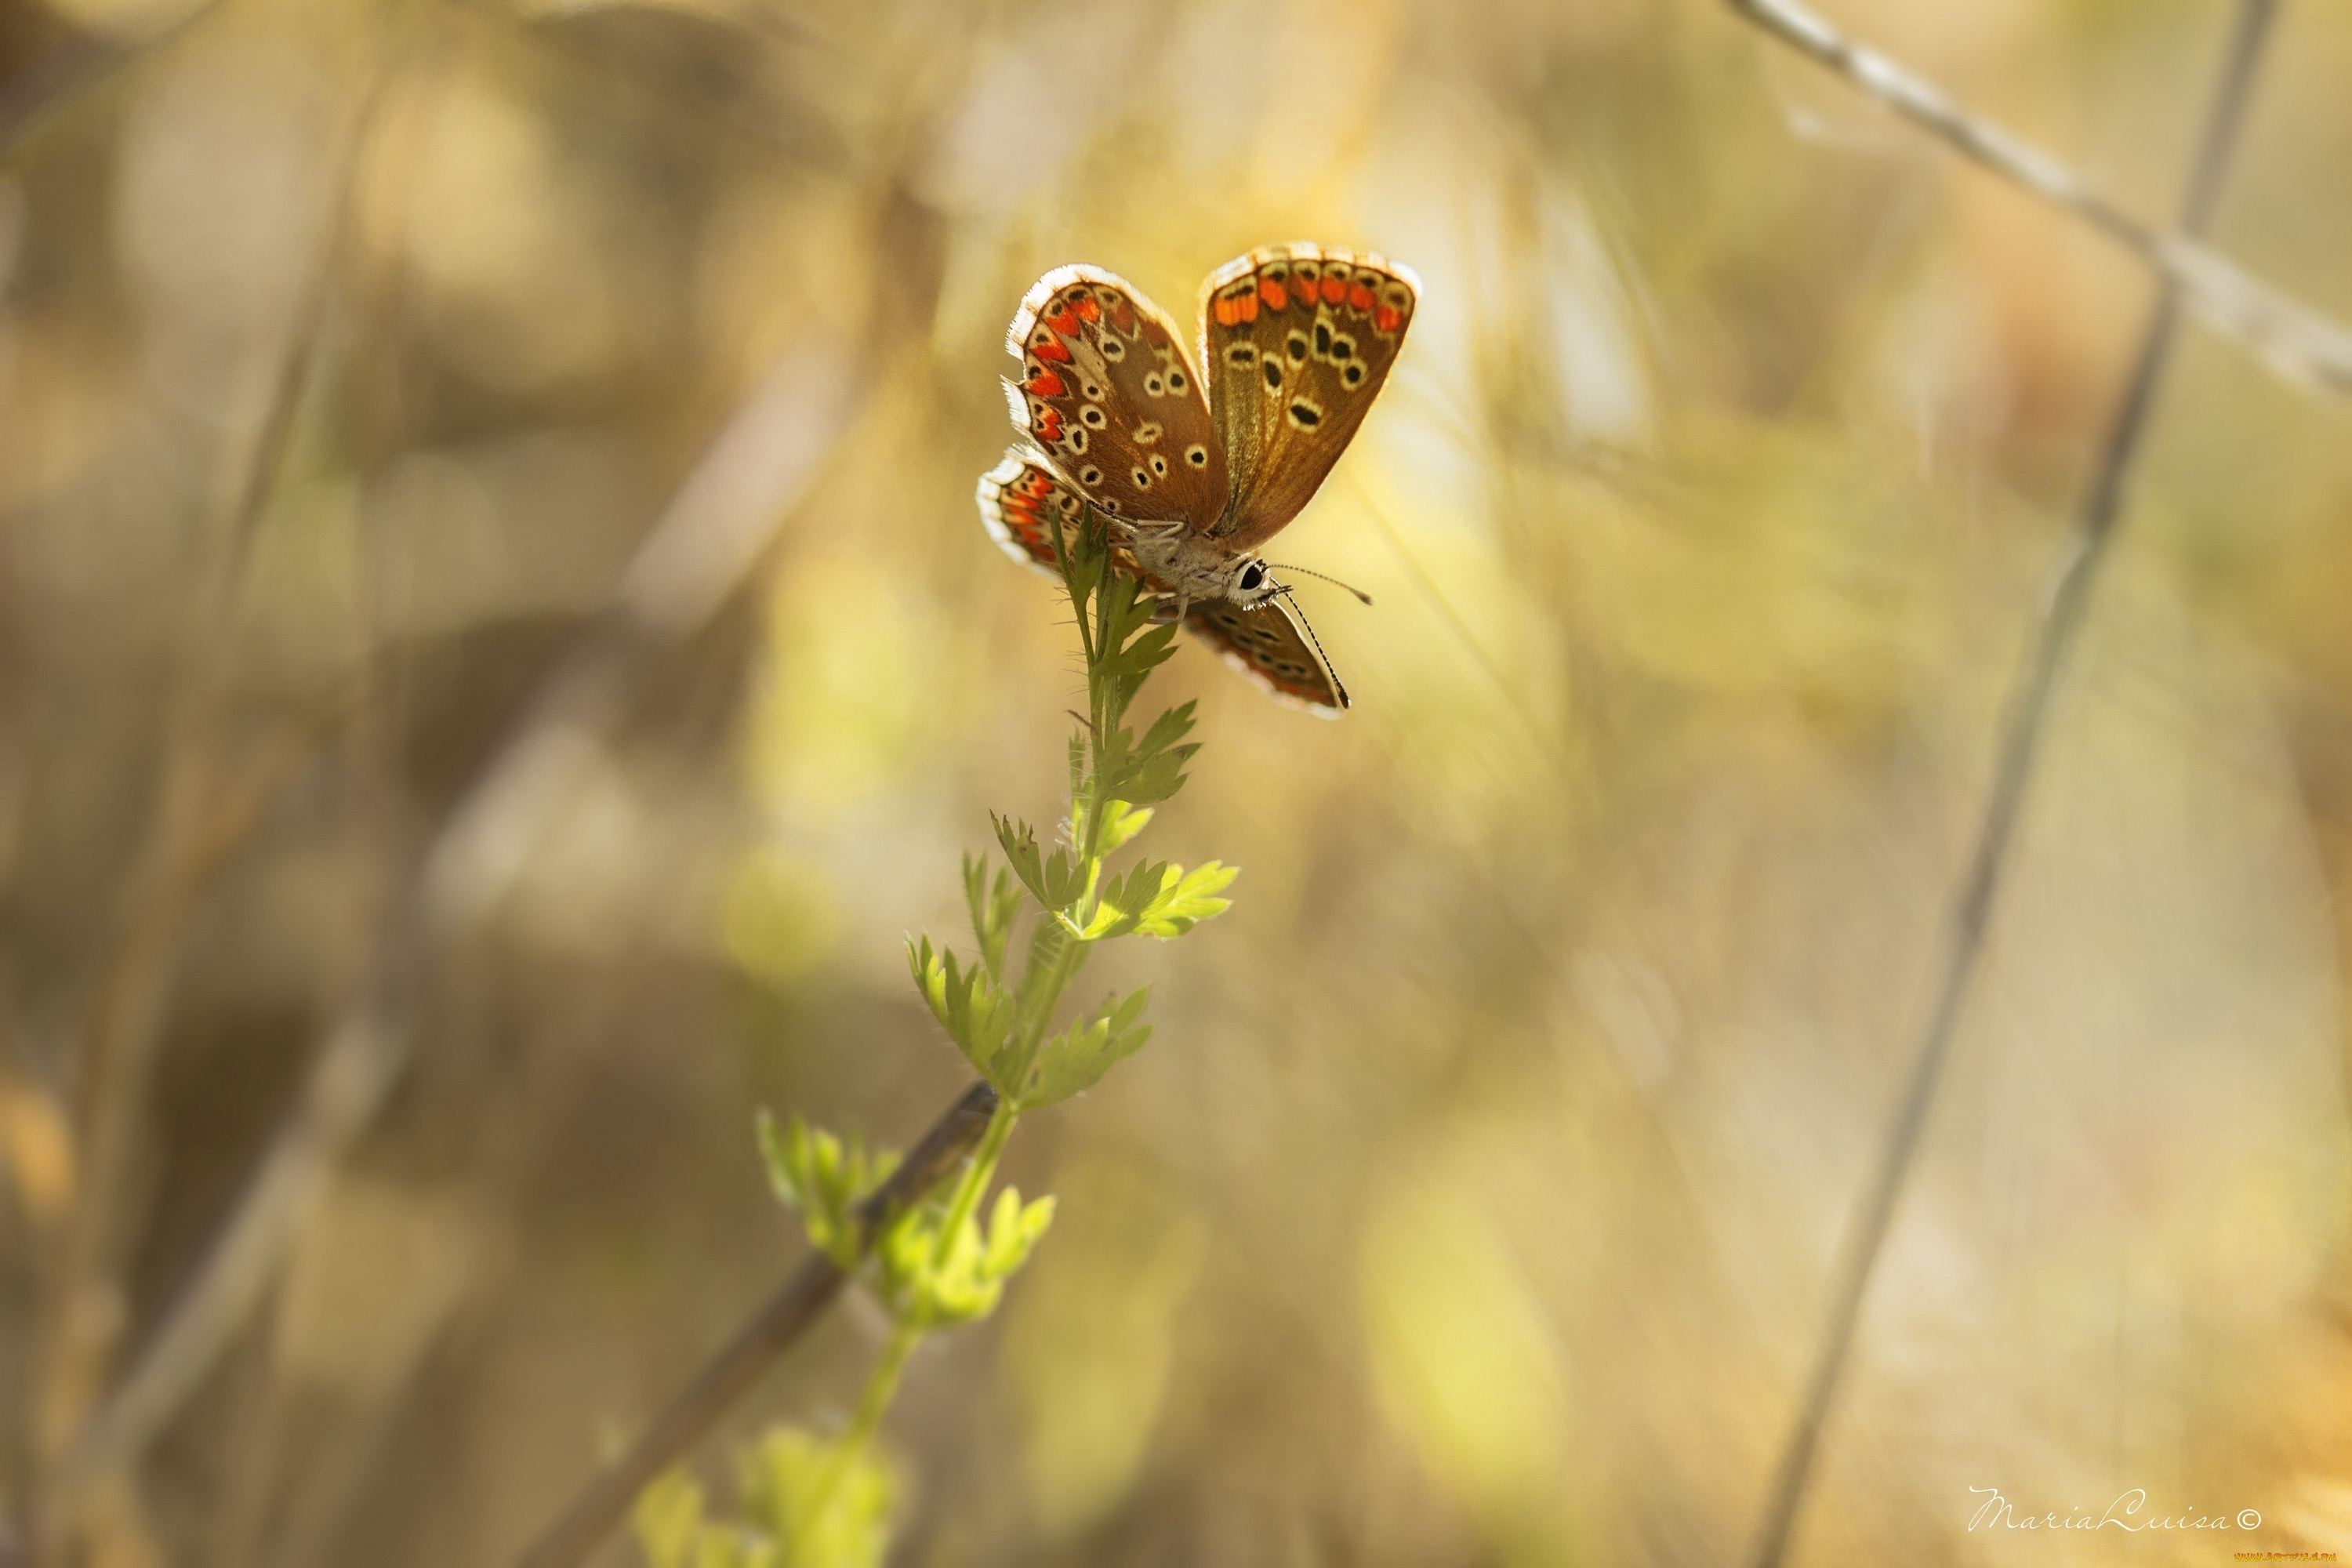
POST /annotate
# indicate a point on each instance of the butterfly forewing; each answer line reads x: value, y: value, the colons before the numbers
x: 1272, y: 645
x: 1110, y: 395
x: 1298, y: 339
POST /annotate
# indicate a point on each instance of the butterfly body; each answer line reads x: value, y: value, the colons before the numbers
x: 1194, y: 566
x: 1194, y: 462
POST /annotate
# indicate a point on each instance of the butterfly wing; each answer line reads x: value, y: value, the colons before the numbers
x: 1109, y: 394
x: 1020, y: 503
x: 1272, y: 645
x: 1298, y: 339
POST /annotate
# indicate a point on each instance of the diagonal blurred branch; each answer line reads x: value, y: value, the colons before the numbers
x: 2296, y: 341
x: 773, y: 1329
x: 207, y: 803
x: 701, y: 551
x: 2021, y: 739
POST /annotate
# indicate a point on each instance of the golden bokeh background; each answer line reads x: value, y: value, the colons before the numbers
x: 504, y: 473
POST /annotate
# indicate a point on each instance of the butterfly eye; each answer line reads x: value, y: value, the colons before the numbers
x: 1252, y: 575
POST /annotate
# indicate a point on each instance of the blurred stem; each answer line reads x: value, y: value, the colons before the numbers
x: 975, y: 1178
x: 2019, y: 745
x: 881, y: 1388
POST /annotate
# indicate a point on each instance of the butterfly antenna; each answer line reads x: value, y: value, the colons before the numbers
x: 1300, y: 621
x: 1305, y: 572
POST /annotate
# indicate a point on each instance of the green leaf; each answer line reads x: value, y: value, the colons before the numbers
x: 1076, y: 1059
x: 1126, y: 900
x: 1193, y: 898
x: 667, y: 1520
x: 823, y: 1180
x: 1021, y: 851
x: 993, y: 911
x: 930, y: 1288
x: 1121, y: 822
x: 1167, y: 729
x: 977, y: 1014
x: 819, y: 1504
x: 1056, y: 881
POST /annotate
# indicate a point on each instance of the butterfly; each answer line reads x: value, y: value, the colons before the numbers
x: 1194, y: 461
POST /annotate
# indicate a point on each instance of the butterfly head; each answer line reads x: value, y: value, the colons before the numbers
x: 1252, y: 583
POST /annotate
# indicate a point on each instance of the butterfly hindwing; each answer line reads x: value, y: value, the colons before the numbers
x: 1272, y: 645
x: 1020, y: 502
x: 1298, y: 339
x: 1112, y: 397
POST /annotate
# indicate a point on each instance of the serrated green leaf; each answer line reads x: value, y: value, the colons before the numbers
x: 1167, y: 729
x: 1192, y: 900
x: 1019, y: 841
x: 931, y: 976
x: 1121, y: 822
x: 774, y: 1156
x: 823, y: 1180
x: 1126, y: 901
x: 1152, y: 780
x: 930, y: 1286
x: 1077, y: 1058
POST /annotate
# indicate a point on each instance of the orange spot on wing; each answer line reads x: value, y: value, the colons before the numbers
x: 1276, y: 296
x: 1360, y: 296
x: 1228, y: 311
x: 1335, y: 289
x: 1049, y: 425
x: 1088, y: 310
x: 1044, y: 384
x: 1386, y: 318
x: 1122, y: 316
x: 1051, y: 349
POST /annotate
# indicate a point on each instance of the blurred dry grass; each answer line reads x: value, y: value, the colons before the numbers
x: 1475, y: 1200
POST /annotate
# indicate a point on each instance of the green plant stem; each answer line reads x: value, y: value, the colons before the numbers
x: 881, y: 1388
x: 975, y: 1181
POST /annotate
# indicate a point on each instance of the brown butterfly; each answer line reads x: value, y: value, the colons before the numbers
x: 1195, y: 462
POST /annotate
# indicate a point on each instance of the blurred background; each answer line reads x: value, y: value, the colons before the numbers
x: 497, y: 648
